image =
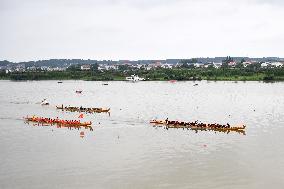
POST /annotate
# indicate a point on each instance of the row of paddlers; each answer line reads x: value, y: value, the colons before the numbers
x: 196, y: 125
x: 82, y: 109
x: 57, y: 121
x: 60, y: 122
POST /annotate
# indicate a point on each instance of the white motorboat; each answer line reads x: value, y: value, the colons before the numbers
x: 134, y: 78
x: 44, y: 102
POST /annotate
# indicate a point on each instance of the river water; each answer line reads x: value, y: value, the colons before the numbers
x: 125, y: 151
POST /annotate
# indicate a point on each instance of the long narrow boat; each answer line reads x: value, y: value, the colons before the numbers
x: 42, y: 123
x: 196, y: 126
x: 206, y: 128
x: 81, y: 109
x: 57, y: 121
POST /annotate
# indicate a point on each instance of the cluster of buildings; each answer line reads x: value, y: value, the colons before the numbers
x: 145, y: 64
x: 156, y: 65
x: 23, y: 68
x: 272, y: 64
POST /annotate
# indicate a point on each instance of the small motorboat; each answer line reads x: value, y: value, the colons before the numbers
x: 134, y: 78
x: 44, y: 102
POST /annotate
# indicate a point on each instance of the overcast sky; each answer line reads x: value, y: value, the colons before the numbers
x: 140, y: 29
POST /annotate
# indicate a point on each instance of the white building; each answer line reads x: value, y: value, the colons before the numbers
x: 111, y: 67
x: 33, y: 68
x: 245, y: 64
x: 265, y: 64
x: 167, y: 66
x: 276, y: 64
x: 86, y: 67
x: 217, y: 65
x: 232, y: 64
x: 198, y: 65
x: 44, y: 67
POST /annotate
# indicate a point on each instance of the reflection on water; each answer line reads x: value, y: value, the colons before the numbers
x: 82, y: 134
x: 125, y: 151
x: 242, y: 132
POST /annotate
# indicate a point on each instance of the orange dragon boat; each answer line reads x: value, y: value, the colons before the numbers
x: 57, y: 121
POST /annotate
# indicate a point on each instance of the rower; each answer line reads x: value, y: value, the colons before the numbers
x: 167, y: 120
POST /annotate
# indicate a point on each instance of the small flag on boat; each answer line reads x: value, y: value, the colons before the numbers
x: 81, y: 116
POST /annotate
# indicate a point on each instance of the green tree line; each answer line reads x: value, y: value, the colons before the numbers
x: 252, y: 72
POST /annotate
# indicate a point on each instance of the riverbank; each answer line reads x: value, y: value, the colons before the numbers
x: 275, y: 74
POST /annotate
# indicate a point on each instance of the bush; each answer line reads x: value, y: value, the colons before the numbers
x: 268, y: 78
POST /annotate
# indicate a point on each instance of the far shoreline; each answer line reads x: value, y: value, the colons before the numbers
x: 177, y: 74
x: 172, y: 81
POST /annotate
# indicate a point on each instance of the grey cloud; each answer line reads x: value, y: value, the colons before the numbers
x: 34, y: 29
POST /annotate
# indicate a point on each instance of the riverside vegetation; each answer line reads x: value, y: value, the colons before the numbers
x: 185, y: 72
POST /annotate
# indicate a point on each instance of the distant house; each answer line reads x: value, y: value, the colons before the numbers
x: 198, y: 65
x: 86, y: 67
x: 32, y: 68
x: 56, y: 69
x: 158, y: 64
x: 153, y: 65
x: 44, y: 67
x: 111, y: 67
x: 276, y: 64
x: 217, y: 65
x: 138, y: 66
x: 20, y: 68
x: 232, y: 64
x: 167, y: 66
x: 265, y: 64
x: 245, y: 64
x: 103, y: 67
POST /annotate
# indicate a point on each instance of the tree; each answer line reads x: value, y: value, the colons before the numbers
x: 224, y: 65
x: 239, y: 65
x: 188, y: 61
x: 123, y: 67
x: 74, y: 67
x: 94, y: 67
x: 184, y: 65
x: 228, y: 59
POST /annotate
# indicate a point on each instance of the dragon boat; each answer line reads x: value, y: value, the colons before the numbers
x: 51, y: 121
x: 81, y: 109
x: 198, y: 126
